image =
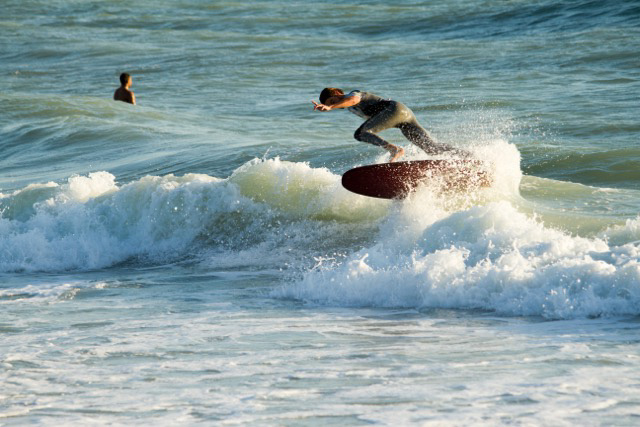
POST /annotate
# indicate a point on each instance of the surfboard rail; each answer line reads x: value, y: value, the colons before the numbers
x: 398, y: 179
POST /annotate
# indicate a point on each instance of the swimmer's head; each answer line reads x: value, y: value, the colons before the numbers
x: 329, y: 95
x: 125, y: 79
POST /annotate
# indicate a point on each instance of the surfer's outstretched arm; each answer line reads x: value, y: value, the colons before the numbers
x: 343, y: 103
x: 338, y: 101
x: 320, y: 107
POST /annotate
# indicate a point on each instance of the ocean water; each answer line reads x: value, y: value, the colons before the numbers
x: 194, y: 259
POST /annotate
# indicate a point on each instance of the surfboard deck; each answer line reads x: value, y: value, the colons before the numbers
x: 397, y: 180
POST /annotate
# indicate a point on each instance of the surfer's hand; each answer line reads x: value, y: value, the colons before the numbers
x: 320, y: 107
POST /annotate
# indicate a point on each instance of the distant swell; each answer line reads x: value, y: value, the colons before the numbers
x: 509, y: 19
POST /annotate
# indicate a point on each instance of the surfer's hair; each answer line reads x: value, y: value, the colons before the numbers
x: 124, y: 78
x: 328, y: 92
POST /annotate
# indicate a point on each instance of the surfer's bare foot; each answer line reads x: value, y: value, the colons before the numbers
x: 396, y: 153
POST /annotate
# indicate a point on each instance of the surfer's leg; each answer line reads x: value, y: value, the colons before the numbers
x: 385, y: 119
x: 420, y: 137
x: 367, y: 131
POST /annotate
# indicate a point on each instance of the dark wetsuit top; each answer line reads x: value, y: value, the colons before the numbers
x: 381, y: 114
x: 369, y: 104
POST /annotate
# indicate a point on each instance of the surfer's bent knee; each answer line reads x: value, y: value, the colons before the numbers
x: 369, y: 137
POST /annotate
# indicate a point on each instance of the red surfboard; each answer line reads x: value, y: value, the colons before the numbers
x: 397, y: 180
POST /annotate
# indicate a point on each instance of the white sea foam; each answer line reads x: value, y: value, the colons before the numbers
x: 81, y: 188
x: 46, y: 292
x: 481, y: 251
x: 489, y: 257
x: 627, y: 232
x: 90, y: 222
x: 39, y: 292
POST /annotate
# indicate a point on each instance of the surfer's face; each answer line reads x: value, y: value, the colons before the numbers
x: 332, y: 100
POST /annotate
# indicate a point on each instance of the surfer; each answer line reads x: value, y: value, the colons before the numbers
x: 123, y: 93
x: 381, y: 114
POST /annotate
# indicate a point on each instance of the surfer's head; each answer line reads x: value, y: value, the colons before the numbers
x: 125, y: 79
x: 328, y: 93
